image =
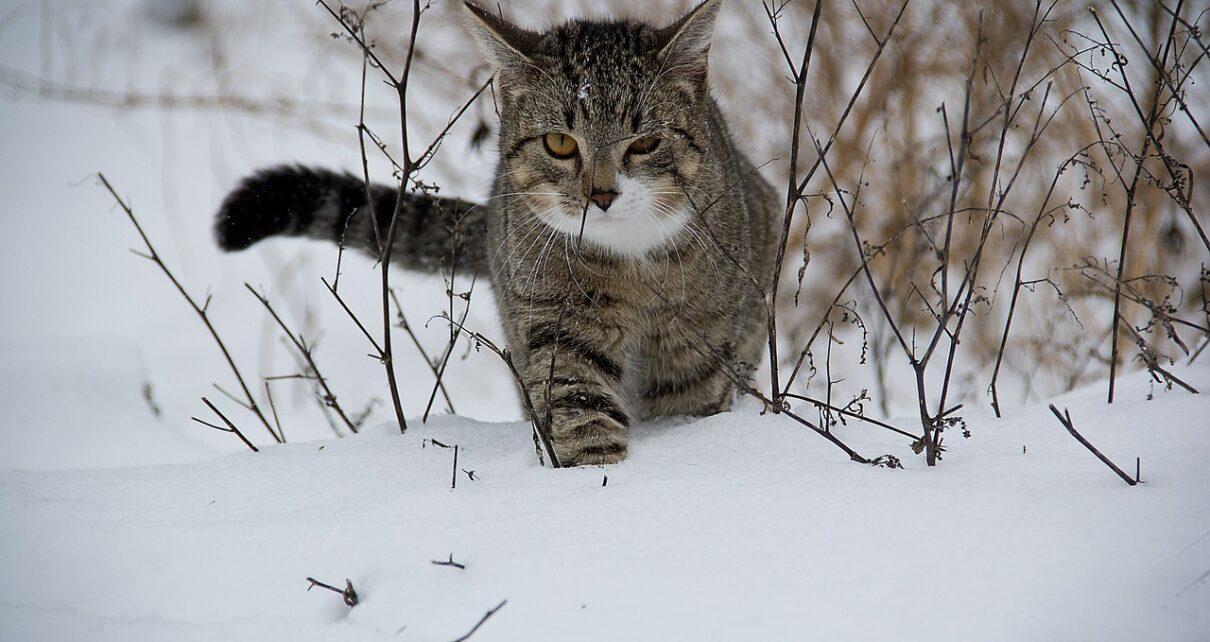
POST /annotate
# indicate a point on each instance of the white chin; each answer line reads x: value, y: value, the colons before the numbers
x: 629, y: 234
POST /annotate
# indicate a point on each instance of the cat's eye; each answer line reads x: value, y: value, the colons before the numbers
x: 644, y: 145
x: 560, y: 145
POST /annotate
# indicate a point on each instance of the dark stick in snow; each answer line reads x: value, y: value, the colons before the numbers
x: 230, y: 426
x: 349, y: 595
x: 1065, y: 419
x: 449, y: 562
x: 481, y: 621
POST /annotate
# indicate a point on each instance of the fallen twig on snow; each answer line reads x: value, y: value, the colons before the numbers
x: 481, y: 621
x: 349, y: 595
x: 1065, y: 419
x: 449, y: 562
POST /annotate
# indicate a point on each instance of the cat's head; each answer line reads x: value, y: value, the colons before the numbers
x: 604, y: 124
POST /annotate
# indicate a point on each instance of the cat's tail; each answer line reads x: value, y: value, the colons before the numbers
x: 316, y: 203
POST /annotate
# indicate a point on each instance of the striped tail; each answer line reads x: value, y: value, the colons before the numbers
x: 321, y: 204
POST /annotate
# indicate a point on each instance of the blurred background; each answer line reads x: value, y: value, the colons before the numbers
x: 175, y: 100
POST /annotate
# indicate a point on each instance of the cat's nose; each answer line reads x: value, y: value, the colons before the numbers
x: 603, y: 199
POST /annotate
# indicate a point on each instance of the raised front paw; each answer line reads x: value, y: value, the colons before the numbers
x: 590, y: 441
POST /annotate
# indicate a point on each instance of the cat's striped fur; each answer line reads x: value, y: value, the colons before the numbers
x: 640, y: 307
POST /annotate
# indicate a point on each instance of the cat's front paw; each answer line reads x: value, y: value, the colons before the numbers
x: 593, y: 457
x: 590, y: 443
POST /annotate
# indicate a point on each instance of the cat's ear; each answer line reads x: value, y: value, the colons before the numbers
x: 686, y: 42
x: 502, y: 43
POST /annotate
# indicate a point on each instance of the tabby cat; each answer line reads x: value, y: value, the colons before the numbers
x: 626, y: 237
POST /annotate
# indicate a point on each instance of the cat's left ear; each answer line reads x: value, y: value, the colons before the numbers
x: 686, y: 42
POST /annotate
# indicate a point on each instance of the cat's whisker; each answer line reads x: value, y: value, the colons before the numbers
x: 673, y: 247
x: 532, y: 232
x: 535, y: 223
x: 540, y: 262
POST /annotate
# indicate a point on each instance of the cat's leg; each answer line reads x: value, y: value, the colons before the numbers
x: 692, y: 361
x: 575, y: 362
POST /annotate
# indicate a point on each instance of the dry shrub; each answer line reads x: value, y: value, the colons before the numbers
x: 896, y: 143
x: 896, y: 140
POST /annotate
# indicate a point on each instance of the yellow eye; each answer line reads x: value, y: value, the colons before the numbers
x: 644, y: 145
x: 560, y: 145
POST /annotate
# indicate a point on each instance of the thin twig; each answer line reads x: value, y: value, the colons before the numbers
x: 230, y: 426
x: 329, y: 397
x: 450, y: 562
x: 348, y: 594
x: 1065, y: 419
x: 407, y: 328
x: 481, y: 621
x: 849, y: 413
x: 543, y: 441
x: 200, y: 310
x: 455, y: 333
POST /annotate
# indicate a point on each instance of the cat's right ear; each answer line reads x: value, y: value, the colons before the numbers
x: 503, y: 44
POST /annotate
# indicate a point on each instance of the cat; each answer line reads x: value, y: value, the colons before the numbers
x: 628, y: 240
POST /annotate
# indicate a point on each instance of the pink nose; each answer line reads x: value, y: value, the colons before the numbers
x: 603, y: 199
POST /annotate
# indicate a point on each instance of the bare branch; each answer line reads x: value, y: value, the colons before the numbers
x: 201, y: 312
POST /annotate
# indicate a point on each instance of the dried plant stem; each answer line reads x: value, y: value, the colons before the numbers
x: 1149, y: 123
x: 1043, y: 212
x: 455, y: 332
x: 1164, y: 79
x: 230, y: 426
x: 797, y: 187
x: 407, y: 168
x: 1152, y: 361
x: 407, y: 328
x: 329, y: 397
x: 1065, y: 419
x: 793, y: 192
x: 152, y: 255
x: 541, y: 432
x: 483, y: 619
x: 849, y: 413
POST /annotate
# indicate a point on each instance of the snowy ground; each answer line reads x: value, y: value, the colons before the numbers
x: 736, y: 527
x: 118, y: 523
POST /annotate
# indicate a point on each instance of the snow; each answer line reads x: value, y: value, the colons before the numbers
x: 738, y: 526
x: 120, y: 524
